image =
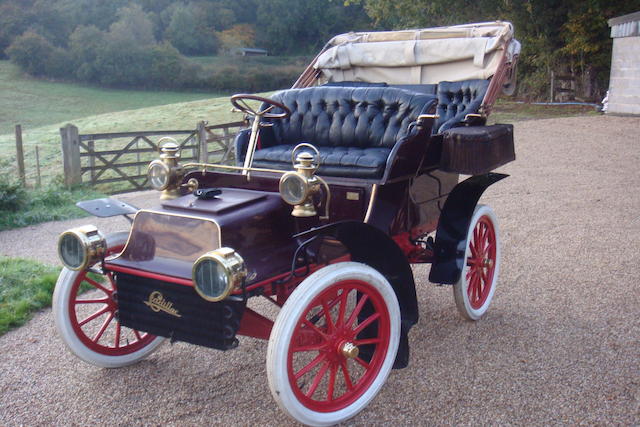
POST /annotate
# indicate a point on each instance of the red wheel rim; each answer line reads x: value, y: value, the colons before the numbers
x: 94, y: 318
x: 322, y: 376
x: 481, y: 262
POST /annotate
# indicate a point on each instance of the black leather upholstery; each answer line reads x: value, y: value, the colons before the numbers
x: 354, y: 128
x: 348, y: 116
x: 456, y: 100
x: 352, y: 162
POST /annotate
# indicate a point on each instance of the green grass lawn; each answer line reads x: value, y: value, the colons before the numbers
x: 181, y: 115
x: 34, y: 102
x: 25, y: 287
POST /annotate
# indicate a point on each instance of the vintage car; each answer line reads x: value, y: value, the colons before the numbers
x: 341, y: 183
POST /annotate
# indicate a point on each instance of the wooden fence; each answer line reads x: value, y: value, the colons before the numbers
x: 120, y: 159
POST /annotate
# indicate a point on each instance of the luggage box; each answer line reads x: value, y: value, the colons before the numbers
x: 476, y: 150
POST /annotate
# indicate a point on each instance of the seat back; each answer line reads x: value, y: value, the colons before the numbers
x: 348, y: 116
x: 456, y: 100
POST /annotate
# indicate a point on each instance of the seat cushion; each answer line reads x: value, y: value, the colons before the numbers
x: 456, y: 100
x: 349, y: 162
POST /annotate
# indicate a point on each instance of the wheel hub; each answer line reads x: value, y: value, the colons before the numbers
x: 349, y: 350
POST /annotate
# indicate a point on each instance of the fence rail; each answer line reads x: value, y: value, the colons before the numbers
x: 121, y: 158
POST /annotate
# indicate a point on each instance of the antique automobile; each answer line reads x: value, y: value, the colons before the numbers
x: 339, y: 185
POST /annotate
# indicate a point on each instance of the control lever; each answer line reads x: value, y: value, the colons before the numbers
x: 207, y: 193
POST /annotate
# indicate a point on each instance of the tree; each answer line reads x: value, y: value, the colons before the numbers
x: 188, y: 35
x: 133, y: 26
x: 302, y: 27
x: 241, y: 35
x: 568, y: 36
x: 84, y: 44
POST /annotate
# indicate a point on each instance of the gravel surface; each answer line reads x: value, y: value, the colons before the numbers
x: 560, y: 344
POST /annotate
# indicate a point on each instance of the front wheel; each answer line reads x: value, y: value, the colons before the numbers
x: 85, y: 310
x: 474, y: 290
x: 333, y: 344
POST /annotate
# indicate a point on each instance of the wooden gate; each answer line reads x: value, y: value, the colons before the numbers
x: 118, y: 161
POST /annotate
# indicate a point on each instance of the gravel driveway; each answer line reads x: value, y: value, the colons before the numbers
x: 560, y: 344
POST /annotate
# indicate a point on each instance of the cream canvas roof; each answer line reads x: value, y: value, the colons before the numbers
x: 423, y: 56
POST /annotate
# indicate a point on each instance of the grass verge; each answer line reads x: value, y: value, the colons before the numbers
x: 25, y: 287
x: 505, y: 111
x: 47, y: 204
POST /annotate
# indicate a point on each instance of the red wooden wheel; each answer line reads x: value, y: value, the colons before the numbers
x: 94, y: 318
x: 333, y: 344
x: 474, y: 290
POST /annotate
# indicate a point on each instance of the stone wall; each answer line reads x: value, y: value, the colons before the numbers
x: 624, y: 86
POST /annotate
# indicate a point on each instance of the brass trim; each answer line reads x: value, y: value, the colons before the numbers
x: 349, y: 350
x: 234, y: 268
x: 328, y: 201
x: 372, y: 199
x: 126, y: 245
x: 204, y: 167
x: 480, y: 116
x: 428, y: 116
x: 295, y: 159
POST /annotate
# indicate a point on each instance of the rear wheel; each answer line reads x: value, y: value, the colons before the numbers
x: 85, y: 309
x: 474, y: 290
x: 333, y: 344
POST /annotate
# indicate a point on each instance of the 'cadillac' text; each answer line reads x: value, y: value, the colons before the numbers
x: 157, y: 303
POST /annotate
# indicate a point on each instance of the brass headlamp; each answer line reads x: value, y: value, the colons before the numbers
x: 218, y: 273
x: 298, y: 187
x: 165, y: 173
x: 81, y: 247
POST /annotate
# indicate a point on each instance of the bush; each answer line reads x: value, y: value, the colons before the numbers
x: 252, y: 79
x: 166, y: 66
x: 12, y: 195
x: 32, y: 53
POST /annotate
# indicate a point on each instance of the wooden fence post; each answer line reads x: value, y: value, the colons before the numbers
x: 71, y: 155
x: 38, y: 178
x: 92, y: 160
x: 20, y: 155
x: 203, y: 151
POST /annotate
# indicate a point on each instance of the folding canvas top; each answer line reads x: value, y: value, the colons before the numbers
x: 423, y: 56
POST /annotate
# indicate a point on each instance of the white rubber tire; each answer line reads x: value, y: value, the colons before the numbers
x: 286, y: 323
x: 60, y: 306
x: 460, y: 288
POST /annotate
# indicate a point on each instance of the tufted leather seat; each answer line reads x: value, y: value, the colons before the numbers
x: 354, y: 128
x: 456, y: 100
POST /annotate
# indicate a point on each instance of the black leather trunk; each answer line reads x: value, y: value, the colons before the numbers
x: 476, y: 150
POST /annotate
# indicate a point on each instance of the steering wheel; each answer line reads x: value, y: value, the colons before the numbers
x: 239, y: 102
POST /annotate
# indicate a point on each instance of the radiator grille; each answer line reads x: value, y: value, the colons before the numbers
x: 177, y: 312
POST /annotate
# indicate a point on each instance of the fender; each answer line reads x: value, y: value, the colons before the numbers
x: 451, y: 234
x: 107, y: 207
x: 372, y: 247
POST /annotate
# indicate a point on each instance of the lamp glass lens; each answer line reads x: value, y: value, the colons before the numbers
x: 158, y: 176
x: 72, y: 251
x: 293, y: 190
x: 211, y: 278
